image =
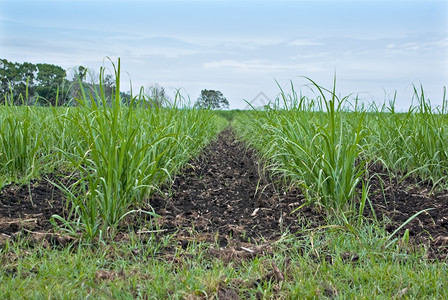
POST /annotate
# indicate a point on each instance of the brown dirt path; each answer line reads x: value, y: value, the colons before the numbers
x: 220, y: 192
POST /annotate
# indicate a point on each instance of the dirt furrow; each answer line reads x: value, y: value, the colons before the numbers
x: 221, y: 192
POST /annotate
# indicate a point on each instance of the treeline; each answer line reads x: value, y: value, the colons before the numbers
x: 46, y: 84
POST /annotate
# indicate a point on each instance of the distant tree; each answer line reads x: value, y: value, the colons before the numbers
x: 109, y: 86
x: 8, y: 76
x: 50, y: 84
x: 126, y: 97
x: 27, y: 83
x: 211, y: 99
x: 79, y: 75
x: 82, y: 73
x: 157, y: 95
x: 26, y: 87
x: 17, y: 79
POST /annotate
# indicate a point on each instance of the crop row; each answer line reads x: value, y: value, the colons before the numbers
x: 332, y: 148
x: 115, y: 155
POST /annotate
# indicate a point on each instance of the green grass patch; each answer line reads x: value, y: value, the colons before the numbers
x: 319, y: 263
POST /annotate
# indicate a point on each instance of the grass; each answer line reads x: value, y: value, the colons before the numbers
x: 20, y: 144
x: 318, y: 264
x: 412, y: 143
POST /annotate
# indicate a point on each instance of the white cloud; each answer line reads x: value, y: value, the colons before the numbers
x: 260, y: 66
x: 304, y: 43
x: 420, y: 47
x: 311, y: 55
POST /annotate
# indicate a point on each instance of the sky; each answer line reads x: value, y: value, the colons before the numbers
x: 241, y: 48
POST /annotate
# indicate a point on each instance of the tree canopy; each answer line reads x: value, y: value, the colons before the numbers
x: 46, y: 84
x: 49, y: 83
x: 16, y: 79
x: 26, y: 82
x: 211, y: 99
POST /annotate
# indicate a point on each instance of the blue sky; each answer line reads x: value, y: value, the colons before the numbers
x: 241, y: 47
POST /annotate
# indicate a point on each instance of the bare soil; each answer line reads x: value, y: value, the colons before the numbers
x: 221, y: 197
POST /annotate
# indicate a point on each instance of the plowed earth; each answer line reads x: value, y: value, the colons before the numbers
x: 221, y: 197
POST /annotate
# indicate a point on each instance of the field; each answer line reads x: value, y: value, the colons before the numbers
x: 307, y: 198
